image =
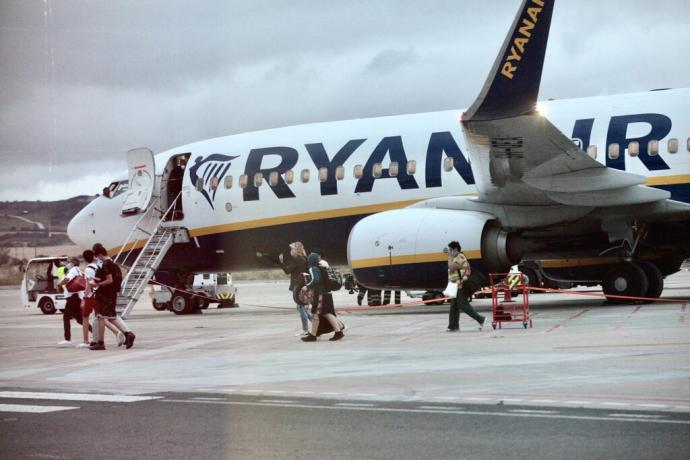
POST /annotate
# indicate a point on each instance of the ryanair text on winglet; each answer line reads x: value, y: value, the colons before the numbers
x: 520, y: 40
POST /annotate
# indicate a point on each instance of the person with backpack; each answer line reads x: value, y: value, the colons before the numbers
x: 107, y: 283
x: 88, y: 306
x: 459, y: 271
x: 75, y: 283
x: 325, y: 310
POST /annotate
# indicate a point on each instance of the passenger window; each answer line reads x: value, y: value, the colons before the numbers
x: 228, y: 182
x: 687, y: 145
x: 613, y: 151
x: 323, y: 174
x: 305, y: 175
x: 377, y: 170
x: 634, y: 148
x: 411, y: 167
x: 273, y: 178
x: 393, y: 169
x: 258, y: 179
x: 340, y: 172
x: 672, y: 145
x: 244, y: 180
x: 200, y: 184
x: 359, y: 169
x: 214, y: 182
x: 448, y: 164
x: 289, y: 177
x: 228, y: 207
x: 653, y: 148
x: 592, y: 151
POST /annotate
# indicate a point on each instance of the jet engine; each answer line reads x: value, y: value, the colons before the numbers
x: 404, y: 248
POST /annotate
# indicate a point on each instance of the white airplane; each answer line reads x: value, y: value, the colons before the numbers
x: 592, y: 190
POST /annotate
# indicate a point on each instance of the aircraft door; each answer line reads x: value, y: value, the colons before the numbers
x: 142, y: 177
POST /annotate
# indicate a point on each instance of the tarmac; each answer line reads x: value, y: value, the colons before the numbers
x: 579, y: 353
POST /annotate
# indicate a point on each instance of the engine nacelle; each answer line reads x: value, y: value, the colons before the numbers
x: 403, y: 249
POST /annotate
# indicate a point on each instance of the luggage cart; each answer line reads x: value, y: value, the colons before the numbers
x: 509, y: 300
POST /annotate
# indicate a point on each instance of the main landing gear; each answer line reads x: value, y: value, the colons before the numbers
x: 634, y: 280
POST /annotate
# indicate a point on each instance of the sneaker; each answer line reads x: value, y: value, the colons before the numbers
x: 120, y: 339
x: 64, y: 344
x: 83, y: 345
x: 337, y: 336
x: 308, y: 338
x: 484, y: 323
x: 129, y: 340
x: 450, y: 329
x: 98, y: 346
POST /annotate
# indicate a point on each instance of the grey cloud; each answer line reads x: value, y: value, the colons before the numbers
x: 166, y: 73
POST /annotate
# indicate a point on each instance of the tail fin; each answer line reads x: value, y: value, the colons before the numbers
x: 513, y: 83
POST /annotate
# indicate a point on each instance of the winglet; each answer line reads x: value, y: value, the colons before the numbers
x: 513, y: 83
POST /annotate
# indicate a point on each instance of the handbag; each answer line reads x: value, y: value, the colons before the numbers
x: 451, y: 290
x: 77, y: 284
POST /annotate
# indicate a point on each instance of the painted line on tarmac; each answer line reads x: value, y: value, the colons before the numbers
x: 436, y: 411
x: 75, y: 396
x: 567, y: 320
x: 633, y: 405
x: 33, y: 409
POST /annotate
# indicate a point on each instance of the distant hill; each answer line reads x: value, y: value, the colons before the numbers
x: 38, y: 223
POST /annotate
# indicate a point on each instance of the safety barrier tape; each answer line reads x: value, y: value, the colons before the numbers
x: 443, y: 299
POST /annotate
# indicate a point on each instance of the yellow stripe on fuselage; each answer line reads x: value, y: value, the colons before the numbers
x: 563, y: 263
x: 668, y: 180
x: 410, y: 259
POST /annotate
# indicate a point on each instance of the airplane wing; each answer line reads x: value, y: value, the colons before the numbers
x: 518, y: 157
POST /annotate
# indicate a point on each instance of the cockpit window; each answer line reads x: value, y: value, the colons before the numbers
x: 117, y: 188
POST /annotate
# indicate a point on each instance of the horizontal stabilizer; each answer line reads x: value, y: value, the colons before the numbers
x: 513, y: 83
x: 621, y: 197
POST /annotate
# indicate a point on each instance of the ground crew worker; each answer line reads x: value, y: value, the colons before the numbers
x: 459, y: 271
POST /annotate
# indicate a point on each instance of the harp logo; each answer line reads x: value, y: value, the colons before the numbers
x: 207, y: 174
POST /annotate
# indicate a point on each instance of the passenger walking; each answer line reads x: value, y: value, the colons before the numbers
x: 73, y: 307
x: 295, y: 265
x: 88, y: 306
x: 459, y: 271
x: 325, y: 309
x: 107, y: 284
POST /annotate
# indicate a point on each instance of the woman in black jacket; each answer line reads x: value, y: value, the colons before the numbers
x: 295, y: 265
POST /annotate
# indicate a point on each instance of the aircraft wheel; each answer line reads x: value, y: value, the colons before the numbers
x: 532, y: 278
x: 180, y: 304
x: 655, y: 279
x: 47, y: 306
x: 626, y: 279
x: 160, y: 306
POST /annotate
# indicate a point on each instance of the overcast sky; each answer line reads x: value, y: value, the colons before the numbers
x: 82, y: 82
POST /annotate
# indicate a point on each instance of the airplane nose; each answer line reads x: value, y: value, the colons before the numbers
x: 77, y: 231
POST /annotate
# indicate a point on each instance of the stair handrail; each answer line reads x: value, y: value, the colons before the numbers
x: 155, y: 230
x: 128, y: 240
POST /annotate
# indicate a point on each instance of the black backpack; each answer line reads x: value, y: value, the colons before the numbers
x: 117, y: 277
x: 332, y: 280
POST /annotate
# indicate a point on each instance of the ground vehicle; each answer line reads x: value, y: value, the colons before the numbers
x: 38, y: 285
x: 211, y: 287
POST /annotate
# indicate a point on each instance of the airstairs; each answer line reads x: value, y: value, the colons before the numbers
x: 157, y: 239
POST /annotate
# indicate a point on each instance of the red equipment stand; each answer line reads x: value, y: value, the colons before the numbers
x: 505, y: 307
